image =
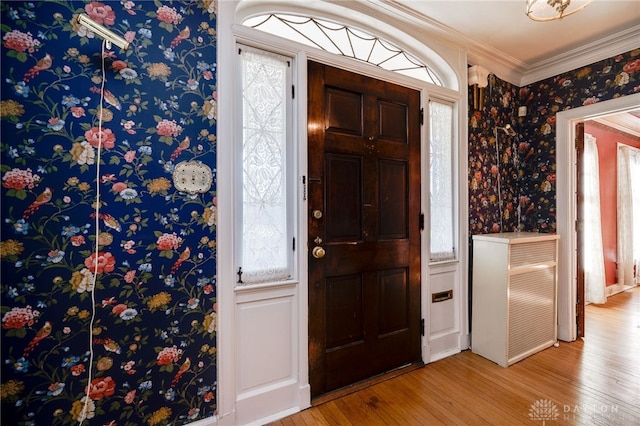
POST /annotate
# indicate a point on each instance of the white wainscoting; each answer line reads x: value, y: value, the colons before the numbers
x: 266, y: 348
x: 444, y: 321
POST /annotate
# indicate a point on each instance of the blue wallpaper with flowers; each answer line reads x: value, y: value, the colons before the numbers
x: 108, y: 280
x: 526, y: 162
x: 111, y: 317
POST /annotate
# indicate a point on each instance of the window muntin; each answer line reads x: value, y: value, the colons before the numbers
x: 442, y: 179
x: 345, y: 41
x: 265, y: 230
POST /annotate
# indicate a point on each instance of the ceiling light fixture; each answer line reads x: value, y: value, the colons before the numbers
x: 550, y: 10
x: 102, y: 32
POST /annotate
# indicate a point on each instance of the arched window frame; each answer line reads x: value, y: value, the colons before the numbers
x: 448, y: 63
x: 344, y: 40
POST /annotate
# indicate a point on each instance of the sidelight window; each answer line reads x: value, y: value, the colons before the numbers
x: 442, y: 180
x: 264, y: 226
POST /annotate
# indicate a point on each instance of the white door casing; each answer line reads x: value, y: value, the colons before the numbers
x: 566, y: 202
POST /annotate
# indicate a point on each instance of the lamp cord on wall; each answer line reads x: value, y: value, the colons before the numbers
x: 94, y: 279
x: 490, y: 80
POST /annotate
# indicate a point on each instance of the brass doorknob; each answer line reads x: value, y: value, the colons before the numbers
x: 318, y: 252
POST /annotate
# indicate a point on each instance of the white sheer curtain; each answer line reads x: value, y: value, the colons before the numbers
x: 594, y: 277
x: 628, y: 215
x: 442, y: 181
x: 266, y: 233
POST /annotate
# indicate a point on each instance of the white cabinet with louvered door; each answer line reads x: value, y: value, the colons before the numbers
x: 514, y: 303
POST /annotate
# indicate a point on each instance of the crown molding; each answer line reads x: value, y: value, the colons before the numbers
x: 587, y: 54
x: 521, y: 74
x: 505, y: 66
x: 625, y: 124
x: 502, y: 65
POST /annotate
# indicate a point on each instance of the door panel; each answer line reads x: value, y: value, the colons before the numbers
x: 344, y: 310
x: 343, y: 206
x: 393, y: 294
x: 364, y: 178
x: 393, y: 122
x: 344, y: 112
x: 392, y: 199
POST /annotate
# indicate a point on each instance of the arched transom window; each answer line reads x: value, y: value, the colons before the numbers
x: 346, y: 41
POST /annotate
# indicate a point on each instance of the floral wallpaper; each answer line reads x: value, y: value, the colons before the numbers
x: 526, y: 163
x: 108, y: 278
x: 108, y: 289
x: 493, y: 161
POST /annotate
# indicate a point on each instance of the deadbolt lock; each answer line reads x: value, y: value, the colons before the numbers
x: 317, y: 214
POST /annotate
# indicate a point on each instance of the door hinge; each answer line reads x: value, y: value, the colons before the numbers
x: 294, y: 243
x: 421, y: 222
x: 422, y: 326
x: 304, y: 188
x: 421, y: 115
x: 293, y: 92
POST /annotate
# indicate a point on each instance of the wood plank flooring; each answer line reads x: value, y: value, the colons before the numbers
x: 594, y: 381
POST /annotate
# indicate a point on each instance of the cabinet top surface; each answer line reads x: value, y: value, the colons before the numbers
x: 516, y: 237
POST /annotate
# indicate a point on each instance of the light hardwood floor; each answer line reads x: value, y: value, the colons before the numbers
x: 594, y: 381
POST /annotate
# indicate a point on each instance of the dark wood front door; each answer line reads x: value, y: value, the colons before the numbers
x: 364, y: 237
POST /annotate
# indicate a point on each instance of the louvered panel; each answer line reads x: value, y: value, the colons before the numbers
x: 532, y: 311
x: 532, y: 253
x: 514, y: 312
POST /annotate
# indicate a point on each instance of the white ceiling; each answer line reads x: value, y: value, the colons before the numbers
x: 626, y: 122
x: 504, y: 26
x: 501, y: 38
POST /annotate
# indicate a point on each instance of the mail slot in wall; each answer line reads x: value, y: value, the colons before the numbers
x: 441, y: 296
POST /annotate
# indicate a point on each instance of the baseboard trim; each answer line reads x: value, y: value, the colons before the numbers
x: 617, y: 288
